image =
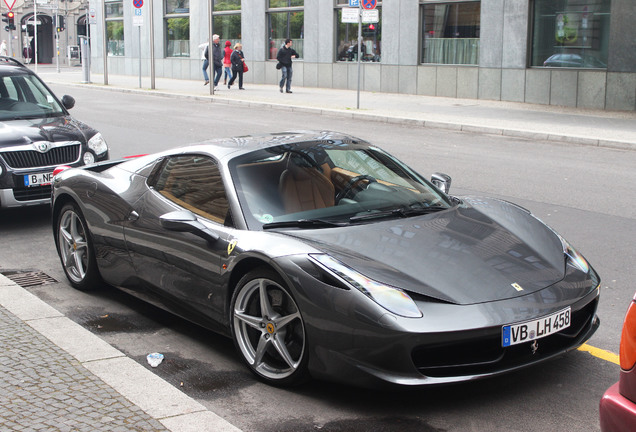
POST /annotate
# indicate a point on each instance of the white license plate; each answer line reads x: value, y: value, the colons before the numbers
x: 519, y: 333
x: 41, y: 179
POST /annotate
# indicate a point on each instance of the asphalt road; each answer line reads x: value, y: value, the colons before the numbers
x: 585, y: 193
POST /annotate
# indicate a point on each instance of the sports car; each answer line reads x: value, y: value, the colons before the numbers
x: 322, y: 256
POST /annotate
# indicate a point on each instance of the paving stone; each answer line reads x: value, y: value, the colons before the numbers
x: 43, y: 388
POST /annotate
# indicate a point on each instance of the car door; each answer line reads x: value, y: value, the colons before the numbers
x: 181, y: 270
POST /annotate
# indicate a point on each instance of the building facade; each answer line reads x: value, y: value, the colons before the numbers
x: 58, y: 25
x: 577, y: 53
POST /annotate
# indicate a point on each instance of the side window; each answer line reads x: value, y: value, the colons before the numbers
x: 11, y: 91
x: 194, y: 182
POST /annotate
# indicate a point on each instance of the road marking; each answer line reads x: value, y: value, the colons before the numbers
x: 602, y: 354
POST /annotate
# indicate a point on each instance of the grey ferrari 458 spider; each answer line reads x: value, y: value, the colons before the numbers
x: 323, y: 256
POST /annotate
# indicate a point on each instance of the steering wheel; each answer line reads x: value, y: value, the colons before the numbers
x: 349, y: 187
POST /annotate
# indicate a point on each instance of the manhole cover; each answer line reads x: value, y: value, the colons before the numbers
x: 30, y: 279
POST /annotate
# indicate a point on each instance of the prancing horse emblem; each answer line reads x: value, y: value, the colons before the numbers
x: 534, y: 346
x: 230, y: 247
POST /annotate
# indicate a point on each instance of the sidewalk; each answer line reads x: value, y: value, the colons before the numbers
x: 614, y: 129
x: 56, y: 375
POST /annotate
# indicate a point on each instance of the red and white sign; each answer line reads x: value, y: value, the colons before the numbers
x: 369, y: 4
x: 12, y: 4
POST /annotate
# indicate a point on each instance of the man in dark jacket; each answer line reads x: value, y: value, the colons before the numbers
x: 284, y: 57
x: 217, y: 59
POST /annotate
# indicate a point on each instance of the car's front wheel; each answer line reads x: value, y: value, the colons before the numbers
x: 75, y: 248
x: 268, y: 329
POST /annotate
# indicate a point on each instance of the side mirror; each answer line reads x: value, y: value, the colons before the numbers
x: 441, y: 181
x: 68, y: 101
x: 186, y: 221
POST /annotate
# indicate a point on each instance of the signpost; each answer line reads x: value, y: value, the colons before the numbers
x: 138, y: 21
x: 360, y: 11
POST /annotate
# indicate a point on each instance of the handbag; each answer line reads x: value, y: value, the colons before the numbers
x: 279, y: 65
x: 245, y: 69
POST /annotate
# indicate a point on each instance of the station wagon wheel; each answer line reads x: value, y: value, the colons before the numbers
x: 268, y: 329
x: 75, y: 248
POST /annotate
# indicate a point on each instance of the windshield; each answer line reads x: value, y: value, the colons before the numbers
x: 324, y: 184
x: 24, y: 96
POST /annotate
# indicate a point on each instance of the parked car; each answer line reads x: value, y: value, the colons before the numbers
x: 574, y: 61
x: 322, y: 255
x: 618, y: 405
x: 37, y: 134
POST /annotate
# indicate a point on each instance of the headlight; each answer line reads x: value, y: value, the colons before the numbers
x: 98, y: 144
x: 574, y: 258
x: 393, y: 299
x: 89, y: 158
x: 1, y: 170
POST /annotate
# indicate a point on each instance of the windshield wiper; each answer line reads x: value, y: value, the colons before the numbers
x: 304, y: 223
x: 402, y: 212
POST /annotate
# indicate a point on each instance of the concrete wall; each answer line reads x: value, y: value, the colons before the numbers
x: 502, y: 73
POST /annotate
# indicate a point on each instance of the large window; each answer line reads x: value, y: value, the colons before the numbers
x: 570, y: 33
x: 347, y: 38
x: 115, y: 27
x: 285, y: 19
x: 177, y: 30
x: 227, y: 20
x: 450, y: 32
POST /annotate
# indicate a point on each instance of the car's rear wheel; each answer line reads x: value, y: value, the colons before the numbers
x: 75, y: 248
x: 268, y: 329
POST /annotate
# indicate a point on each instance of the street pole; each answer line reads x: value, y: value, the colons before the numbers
x: 57, y: 37
x: 359, y: 50
x: 105, y: 44
x: 210, y: 47
x: 152, y: 45
x: 34, y: 54
x: 139, y: 44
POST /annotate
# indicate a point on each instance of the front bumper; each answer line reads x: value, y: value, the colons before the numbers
x: 40, y: 197
x: 354, y: 340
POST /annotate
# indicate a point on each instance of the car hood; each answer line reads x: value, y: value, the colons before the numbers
x: 52, y: 129
x: 468, y: 254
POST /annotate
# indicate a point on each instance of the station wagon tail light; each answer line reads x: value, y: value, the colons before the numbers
x: 60, y: 169
x: 628, y: 338
x: 392, y: 299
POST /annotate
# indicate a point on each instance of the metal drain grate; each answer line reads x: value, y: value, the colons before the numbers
x: 30, y: 279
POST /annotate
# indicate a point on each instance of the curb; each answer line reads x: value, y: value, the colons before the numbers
x: 377, y: 118
x: 172, y: 408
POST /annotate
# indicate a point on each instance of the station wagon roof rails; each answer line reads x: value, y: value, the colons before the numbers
x: 7, y: 59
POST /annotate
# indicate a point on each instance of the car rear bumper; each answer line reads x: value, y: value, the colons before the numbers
x: 617, y: 413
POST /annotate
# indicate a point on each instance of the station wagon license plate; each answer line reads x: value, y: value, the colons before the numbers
x: 519, y: 333
x: 41, y: 179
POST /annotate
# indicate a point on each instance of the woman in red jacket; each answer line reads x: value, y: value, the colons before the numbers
x: 227, y: 63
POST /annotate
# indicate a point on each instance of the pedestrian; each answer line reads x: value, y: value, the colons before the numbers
x: 217, y: 59
x: 3, y: 48
x: 284, y: 57
x: 237, y: 66
x: 227, y: 63
x: 206, y: 62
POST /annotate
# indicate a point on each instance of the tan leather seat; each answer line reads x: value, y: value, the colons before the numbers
x: 304, y: 188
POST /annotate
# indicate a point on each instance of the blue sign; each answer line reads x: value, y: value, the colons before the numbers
x: 354, y: 3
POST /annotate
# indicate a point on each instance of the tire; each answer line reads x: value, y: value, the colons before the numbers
x: 75, y: 248
x: 270, y: 336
